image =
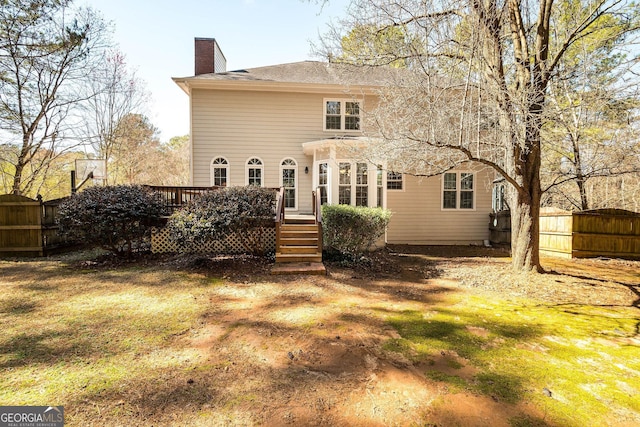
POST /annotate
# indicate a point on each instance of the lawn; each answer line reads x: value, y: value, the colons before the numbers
x: 416, y: 337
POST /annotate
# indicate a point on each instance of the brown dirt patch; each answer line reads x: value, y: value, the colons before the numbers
x: 600, y: 281
x: 302, y: 350
x: 309, y: 356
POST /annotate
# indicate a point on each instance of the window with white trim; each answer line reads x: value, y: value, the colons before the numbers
x: 323, y: 182
x: 342, y: 114
x: 255, y: 172
x: 289, y: 180
x: 362, y: 184
x: 220, y: 172
x: 394, y: 180
x: 344, y: 184
x: 458, y: 190
x: 379, y: 190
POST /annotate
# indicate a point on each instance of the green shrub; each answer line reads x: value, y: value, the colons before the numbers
x: 352, y: 230
x: 117, y: 218
x: 245, y: 211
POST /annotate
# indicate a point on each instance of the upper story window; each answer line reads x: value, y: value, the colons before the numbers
x: 458, y: 190
x: 255, y: 172
x: 220, y: 172
x: 394, y: 180
x: 342, y: 114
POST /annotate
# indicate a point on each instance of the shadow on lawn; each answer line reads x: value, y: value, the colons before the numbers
x: 444, y: 251
x: 311, y: 376
x: 634, y: 288
x: 17, y: 306
x: 45, y: 348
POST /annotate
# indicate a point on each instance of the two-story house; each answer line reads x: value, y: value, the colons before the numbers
x: 299, y: 126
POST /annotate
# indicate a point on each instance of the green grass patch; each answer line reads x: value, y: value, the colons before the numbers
x: 459, y: 384
x: 583, y: 356
x: 84, y: 333
x: 145, y: 345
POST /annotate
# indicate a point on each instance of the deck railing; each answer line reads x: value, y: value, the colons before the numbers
x: 175, y: 197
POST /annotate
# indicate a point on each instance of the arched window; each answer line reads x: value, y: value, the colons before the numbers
x: 220, y: 172
x: 255, y: 172
x: 289, y: 180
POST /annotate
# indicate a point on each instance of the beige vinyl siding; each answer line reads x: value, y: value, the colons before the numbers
x: 419, y: 219
x: 239, y: 125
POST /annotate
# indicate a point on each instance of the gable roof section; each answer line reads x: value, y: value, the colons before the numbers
x: 296, y: 76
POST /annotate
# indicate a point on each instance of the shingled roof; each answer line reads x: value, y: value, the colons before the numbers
x: 307, y: 72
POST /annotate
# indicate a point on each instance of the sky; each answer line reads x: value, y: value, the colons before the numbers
x: 157, y: 38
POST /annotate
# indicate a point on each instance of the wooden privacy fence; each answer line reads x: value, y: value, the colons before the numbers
x: 595, y: 233
x: 27, y: 226
x: 587, y: 234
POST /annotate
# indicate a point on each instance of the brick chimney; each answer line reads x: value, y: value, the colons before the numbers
x: 208, y: 57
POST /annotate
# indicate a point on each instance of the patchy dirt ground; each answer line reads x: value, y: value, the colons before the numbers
x: 318, y: 350
x: 599, y: 281
x: 306, y: 351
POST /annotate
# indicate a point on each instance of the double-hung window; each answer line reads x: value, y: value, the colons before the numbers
x: 289, y: 180
x: 362, y: 185
x: 255, y: 170
x: 394, y: 180
x: 220, y: 172
x: 323, y: 182
x: 344, y: 187
x: 379, y: 190
x: 342, y: 114
x: 458, y: 190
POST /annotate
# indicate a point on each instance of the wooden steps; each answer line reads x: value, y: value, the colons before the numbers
x: 285, y: 268
x: 299, y: 242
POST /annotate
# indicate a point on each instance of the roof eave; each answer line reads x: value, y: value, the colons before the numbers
x: 182, y: 84
x: 188, y: 83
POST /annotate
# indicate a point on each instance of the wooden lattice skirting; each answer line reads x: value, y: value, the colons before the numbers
x: 160, y: 243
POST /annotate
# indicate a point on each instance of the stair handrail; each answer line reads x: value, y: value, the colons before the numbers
x: 280, y: 206
x: 279, y: 216
x: 313, y: 202
x: 317, y: 205
x: 317, y: 211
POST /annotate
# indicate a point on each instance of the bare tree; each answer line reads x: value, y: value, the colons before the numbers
x: 113, y: 94
x: 46, y: 51
x: 479, y: 89
x: 592, y: 127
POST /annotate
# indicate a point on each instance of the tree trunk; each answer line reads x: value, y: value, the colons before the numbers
x: 17, y: 179
x: 584, y: 201
x: 580, y: 179
x: 525, y: 212
x: 525, y: 231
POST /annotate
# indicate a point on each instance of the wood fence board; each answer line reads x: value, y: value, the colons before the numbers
x: 609, y: 232
x: 556, y: 242
x: 606, y: 232
x: 558, y: 254
x: 20, y: 225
